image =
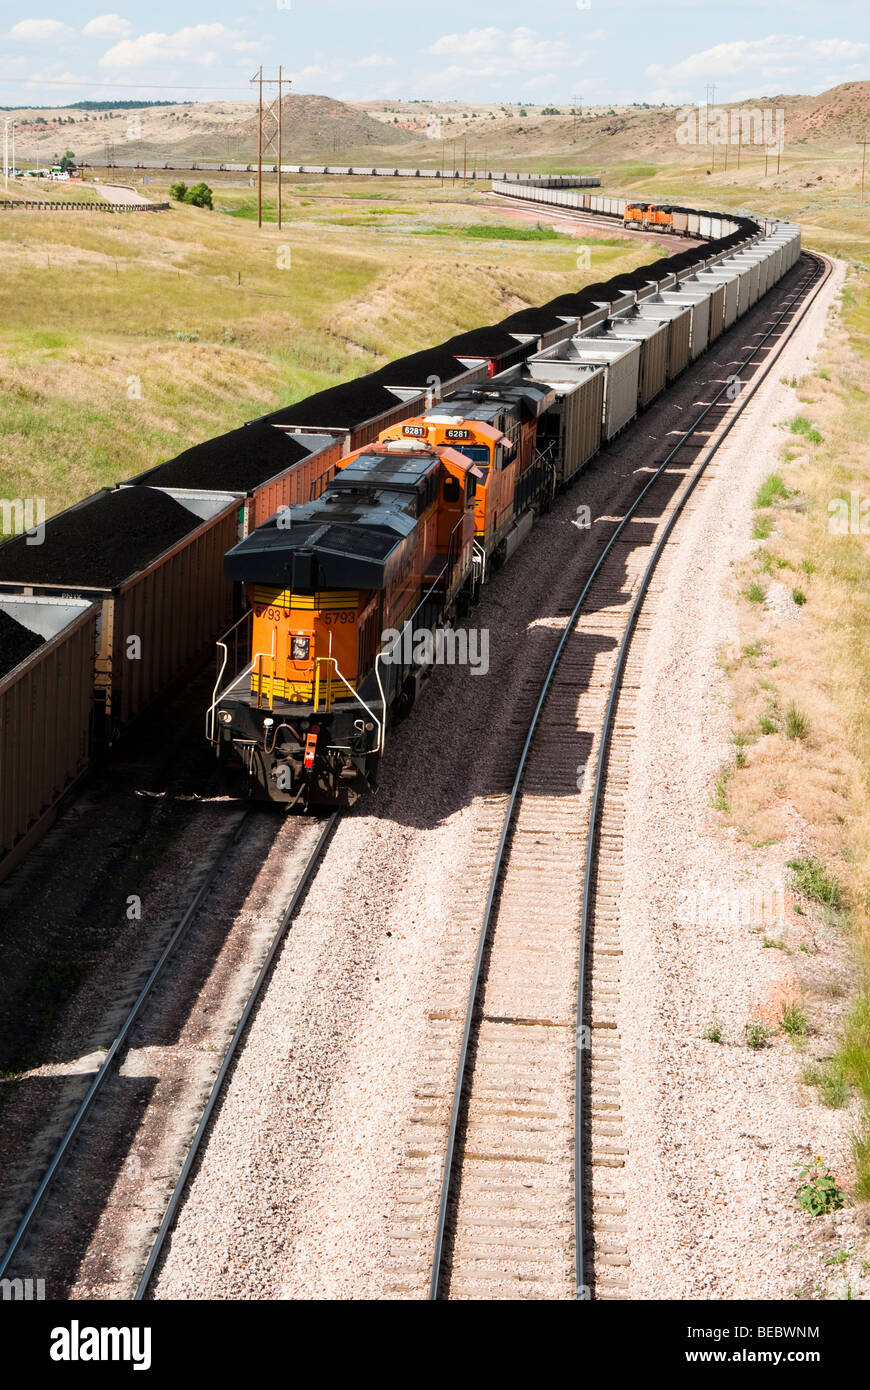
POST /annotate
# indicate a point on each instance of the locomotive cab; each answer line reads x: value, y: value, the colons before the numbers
x: 390, y: 542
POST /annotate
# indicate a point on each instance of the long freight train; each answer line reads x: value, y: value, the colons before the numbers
x: 400, y: 504
x: 343, y: 589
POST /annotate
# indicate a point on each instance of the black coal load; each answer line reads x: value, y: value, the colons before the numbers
x: 236, y: 462
x: 659, y: 270
x: 491, y: 341
x: 100, y: 542
x: 16, y: 643
x: 630, y: 282
x: 416, y: 369
x: 339, y: 407
x: 576, y: 305
x: 535, y: 321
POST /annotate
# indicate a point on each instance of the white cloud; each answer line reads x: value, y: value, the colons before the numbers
x: 769, y: 63
x: 473, y: 41
x: 495, y: 55
x: 197, y: 43
x: 41, y: 31
x: 377, y: 60
x: 313, y: 73
x: 108, y: 26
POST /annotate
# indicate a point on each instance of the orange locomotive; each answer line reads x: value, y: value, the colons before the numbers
x: 346, y: 590
x: 499, y: 427
x: 387, y: 547
x: 648, y: 217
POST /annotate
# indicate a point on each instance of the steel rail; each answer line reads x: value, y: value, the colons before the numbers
x: 112, y: 1054
x: 178, y: 1191
x: 507, y: 824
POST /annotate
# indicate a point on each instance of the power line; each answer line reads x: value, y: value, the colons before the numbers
x: 122, y: 86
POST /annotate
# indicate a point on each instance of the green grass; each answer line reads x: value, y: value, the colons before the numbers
x: 794, y: 1022
x: 796, y: 723
x: 757, y: 1035
x: 801, y: 425
x: 830, y: 1083
x: 772, y: 488
x: 755, y: 593
x: 812, y: 880
x: 484, y: 231
x: 762, y: 527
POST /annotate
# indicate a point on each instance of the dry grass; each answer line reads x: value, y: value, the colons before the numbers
x: 810, y: 678
x: 124, y: 340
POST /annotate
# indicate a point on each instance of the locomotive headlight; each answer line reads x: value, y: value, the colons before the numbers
x: 299, y: 648
x: 226, y: 717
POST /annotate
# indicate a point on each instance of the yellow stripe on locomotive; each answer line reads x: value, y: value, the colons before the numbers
x: 297, y: 641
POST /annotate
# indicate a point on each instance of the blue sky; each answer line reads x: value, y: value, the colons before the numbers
x: 55, y: 51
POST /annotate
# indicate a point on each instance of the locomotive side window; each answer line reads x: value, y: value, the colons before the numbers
x: 451, y: 489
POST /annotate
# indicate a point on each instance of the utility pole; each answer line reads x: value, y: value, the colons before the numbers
x: 575, y: 103
x: 269, y: 134
x: 863, y: 162
x: 711, y: 87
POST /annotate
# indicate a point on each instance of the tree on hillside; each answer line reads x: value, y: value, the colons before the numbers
x: 67, y: 162
x: 178, y: 191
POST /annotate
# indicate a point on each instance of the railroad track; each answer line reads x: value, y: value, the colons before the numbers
x: 586, y: 218
x: 531, y: 1201
x: 49, y: 1211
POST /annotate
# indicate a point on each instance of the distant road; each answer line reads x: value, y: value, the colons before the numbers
x: 119, y: 193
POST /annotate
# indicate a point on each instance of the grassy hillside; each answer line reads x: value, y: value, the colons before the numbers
x: 125, y: 339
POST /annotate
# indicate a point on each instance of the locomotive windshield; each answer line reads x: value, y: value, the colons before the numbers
x: 478, y: 453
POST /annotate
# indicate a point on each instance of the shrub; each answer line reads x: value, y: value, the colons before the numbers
x: 817, y: 1191
x: 178, y: 191
x: 811, y: 878
x: 794, y: 1022
x: 199, y: 196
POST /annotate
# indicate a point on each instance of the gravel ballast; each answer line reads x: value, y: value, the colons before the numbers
x: 302, y: 1189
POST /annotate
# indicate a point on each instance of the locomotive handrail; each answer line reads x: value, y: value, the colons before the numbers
x: 359, y: 699
x: 222, y: 642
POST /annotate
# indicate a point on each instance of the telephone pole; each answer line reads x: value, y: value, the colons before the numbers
x: 863, y: 163
x: 711, y: 87
x: 269, y: 133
